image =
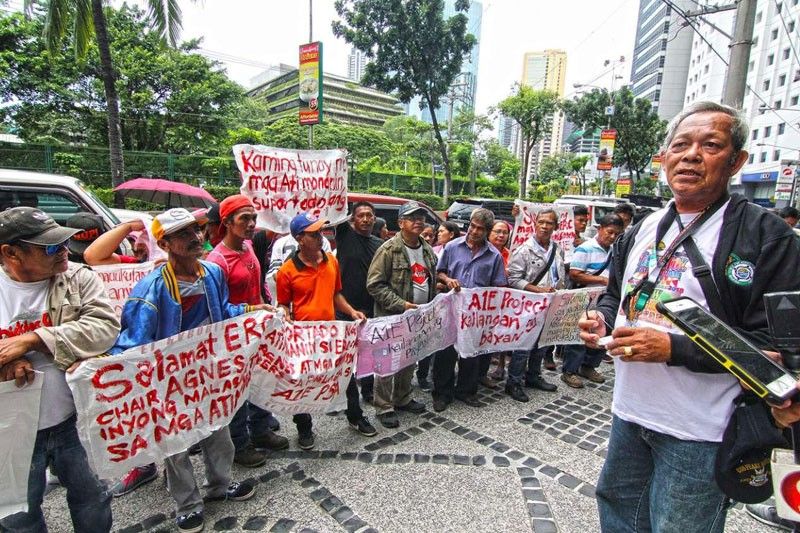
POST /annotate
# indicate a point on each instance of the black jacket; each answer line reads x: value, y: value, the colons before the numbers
x: 752, y: 234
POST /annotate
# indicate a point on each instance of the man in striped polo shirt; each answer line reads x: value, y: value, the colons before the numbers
x: 589, y: 267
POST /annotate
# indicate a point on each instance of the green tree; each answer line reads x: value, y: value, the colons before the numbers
x: 639, y: 129
x: 533, y: 111
x: 87, y: 18
x: 465, y: 140
x: 414, y: 50
x: 170, y: 100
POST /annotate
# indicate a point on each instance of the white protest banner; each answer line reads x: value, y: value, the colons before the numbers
x: 566, y: 308
x: 120, y: 280
x: 498, y: 319
x: 19, y: 420
x: 153, y: 401
x: 282, y: 183
x: 391, y: 343
x: 525, y: 225
x: 305, y: 367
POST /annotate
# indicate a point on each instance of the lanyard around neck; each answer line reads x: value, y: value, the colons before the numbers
x: 636, y: 300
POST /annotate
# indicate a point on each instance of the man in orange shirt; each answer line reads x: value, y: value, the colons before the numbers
x: 309, y: 288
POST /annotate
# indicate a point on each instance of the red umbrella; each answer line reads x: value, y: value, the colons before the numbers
x: 167, y: 193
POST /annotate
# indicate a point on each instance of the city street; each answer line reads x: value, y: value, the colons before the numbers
x: 506, y: 466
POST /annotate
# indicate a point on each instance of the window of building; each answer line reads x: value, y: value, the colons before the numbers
x: 778, y: 104
x: 779, y: 5
x: 703, y: 88
x: 705, y: 70
x: 776, y: 155
x: 786, y: 53
x: 781, y: 128
x: 751, y: 66
x: 791, y: 26
x: 755, y: 41
x: 751, y: 158
x: 766, y: 85
x: 770, y: 59
x: 795, y: 99
x: 763, y: 157
x: 767, y: 131
x: 781, y: 80
x: 755, y: 135
x: 773, y: 34
x: 758, y: 17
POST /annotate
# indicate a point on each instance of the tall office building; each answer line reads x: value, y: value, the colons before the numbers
x: 507, y: 132
x: 661, y: 56
x: 356, y: 63
x: 465, y: 86
x: 772, y: 107
x: 545, y: 71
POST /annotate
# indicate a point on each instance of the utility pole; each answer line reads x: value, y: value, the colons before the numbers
x: 311, y: 40
x: 741, y: 42
x: 736, y: 79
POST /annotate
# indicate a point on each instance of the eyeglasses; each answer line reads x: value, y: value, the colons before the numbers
x: 414, y: 218
x: 49, y: 249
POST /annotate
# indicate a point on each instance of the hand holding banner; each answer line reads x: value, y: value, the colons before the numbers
x: 566, y: 308
x: 283, y: 183
x: 525, y: 225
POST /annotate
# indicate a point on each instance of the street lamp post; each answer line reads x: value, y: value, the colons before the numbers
x: 609, y: 112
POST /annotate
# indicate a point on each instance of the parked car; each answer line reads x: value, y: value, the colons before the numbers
x: 460, y: 210
x: 600, y: 206
x: 387, y: 207
x: 58, y: 196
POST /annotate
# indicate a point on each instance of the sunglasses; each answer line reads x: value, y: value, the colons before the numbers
x: 49, y: 249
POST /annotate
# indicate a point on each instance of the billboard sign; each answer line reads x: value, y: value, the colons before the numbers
x: 606, y: 155
x: 310, y: 83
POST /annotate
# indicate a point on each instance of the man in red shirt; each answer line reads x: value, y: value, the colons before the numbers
x: 234, y: 254
x: 309, y: 287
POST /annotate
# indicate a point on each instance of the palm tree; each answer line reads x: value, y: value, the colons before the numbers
x: 88, y: 19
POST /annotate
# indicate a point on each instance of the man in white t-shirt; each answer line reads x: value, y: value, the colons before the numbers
x: 52, y: 315
x: 672, y: 403
x: 401, y: 277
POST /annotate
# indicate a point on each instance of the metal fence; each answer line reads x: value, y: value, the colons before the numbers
x: 91, y: 165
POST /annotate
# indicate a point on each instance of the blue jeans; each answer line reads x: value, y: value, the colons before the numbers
x: 654, y: 482
x: 517, y: 367
x: 89, y: 503
x: 249, y: 421
x: 577, y: 355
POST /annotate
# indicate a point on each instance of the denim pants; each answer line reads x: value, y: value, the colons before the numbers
x: 218, y: 458
x: 249, y: 421
x: 655, y: 482
x: 517, y: 369
x: 578, y: 355
x: 89, y: 502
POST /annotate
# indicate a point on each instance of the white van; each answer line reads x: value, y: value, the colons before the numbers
x: 58, y: 196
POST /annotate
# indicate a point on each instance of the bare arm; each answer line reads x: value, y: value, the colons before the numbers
x: 341, y: 304
x: 103, y: 250
x: 579, y: 276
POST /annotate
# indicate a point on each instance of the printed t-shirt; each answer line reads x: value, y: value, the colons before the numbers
x: 242, y: 272
x: 309, y: 289
x: 420, y: 279
x: 23, y: 308
x: 671, y: 399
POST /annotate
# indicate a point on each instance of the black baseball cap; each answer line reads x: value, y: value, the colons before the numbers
x: 90, y: 227
x: 742, y: 467
x: 213, y: 214
x: 32, y: 225
x: 409, y: 208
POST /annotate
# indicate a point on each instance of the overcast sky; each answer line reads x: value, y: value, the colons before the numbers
x: 269, y: 31
x: 248, y: 35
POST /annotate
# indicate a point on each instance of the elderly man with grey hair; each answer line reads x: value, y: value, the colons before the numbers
x: 671, y: 402
x: 468, y: 261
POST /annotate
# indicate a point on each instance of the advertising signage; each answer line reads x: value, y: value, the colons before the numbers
x: 310, y: 84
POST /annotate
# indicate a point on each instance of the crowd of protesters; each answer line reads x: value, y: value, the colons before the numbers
x: 671, y: 404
